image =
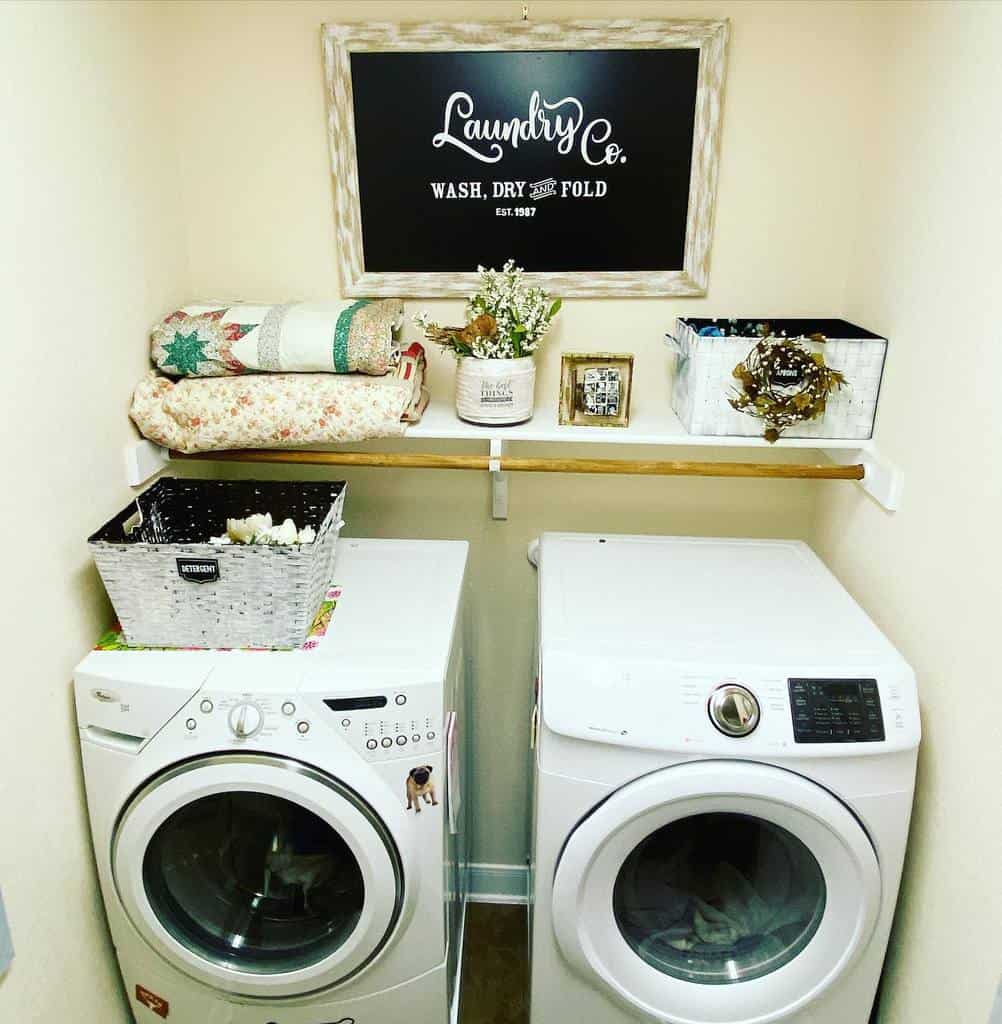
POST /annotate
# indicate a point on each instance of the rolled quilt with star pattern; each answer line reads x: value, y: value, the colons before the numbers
x: 224, y: 339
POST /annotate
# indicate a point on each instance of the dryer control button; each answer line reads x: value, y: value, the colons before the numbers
x: 386, y: 741
x: 734, y: 710
x: 206, y: 706
x: 288, y: 708
x: 190, y: 724
x: 371, y: 744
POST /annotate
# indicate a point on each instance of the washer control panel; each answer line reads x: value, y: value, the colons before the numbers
x: 836, y: 711
x: 380, y: 727
x: 238, y: 717
x: 384, y: 726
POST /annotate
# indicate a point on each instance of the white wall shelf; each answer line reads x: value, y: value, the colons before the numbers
x: 655, y: 427
x: 648, y: 426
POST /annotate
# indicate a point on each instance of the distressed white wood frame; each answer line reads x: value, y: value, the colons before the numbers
x: 709, y: 37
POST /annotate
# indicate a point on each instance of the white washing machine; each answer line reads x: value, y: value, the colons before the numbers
x: 726, y: 752
x: 279, y: 834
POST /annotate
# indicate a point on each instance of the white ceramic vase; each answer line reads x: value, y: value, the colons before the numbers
x: 495, y: 392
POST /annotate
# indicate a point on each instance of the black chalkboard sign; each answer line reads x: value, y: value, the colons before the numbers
x: 576, y: 162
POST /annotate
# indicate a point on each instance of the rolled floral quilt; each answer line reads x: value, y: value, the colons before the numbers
x: 280, y: 410
x: 223, y: 339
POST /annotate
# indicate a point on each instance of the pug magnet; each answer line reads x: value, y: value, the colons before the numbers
x: 420, y: 787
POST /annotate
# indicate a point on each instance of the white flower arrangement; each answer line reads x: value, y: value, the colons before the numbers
x: 507, y: 319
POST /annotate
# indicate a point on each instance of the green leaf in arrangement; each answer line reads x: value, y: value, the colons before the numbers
x: 554, y: 309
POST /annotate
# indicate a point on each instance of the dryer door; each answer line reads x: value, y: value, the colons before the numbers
x: 257, y: 875
x: 716, y: 892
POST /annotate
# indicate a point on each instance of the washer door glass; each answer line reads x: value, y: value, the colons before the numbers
x: 254, y: 881
x: 719, y: 898
x: 716, y: 892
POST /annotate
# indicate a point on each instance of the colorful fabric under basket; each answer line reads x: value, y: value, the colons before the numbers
x: 704, y: 377
x: 171, y: 588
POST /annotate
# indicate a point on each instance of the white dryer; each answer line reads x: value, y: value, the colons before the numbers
x: 726, y: 751
x: 278, y: 835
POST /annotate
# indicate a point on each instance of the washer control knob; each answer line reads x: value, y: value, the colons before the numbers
x: 400, y: 700
x: 288, y: 708
x: 206, y: 706
x: 734, y: 710
x: 386, y: 741
x: 302, y: 728
x: 246, y: 720
x: 371, y: 744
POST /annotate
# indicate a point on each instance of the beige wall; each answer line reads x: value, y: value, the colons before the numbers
x: 89, y: 252
x: 154, y: 152
x: 926, y: 271
x: 258, y: 209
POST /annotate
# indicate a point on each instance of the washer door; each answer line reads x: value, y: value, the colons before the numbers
x: 257, y: 875
x: 716, y: 892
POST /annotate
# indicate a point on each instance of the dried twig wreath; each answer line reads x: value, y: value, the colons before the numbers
x: 782, y: 383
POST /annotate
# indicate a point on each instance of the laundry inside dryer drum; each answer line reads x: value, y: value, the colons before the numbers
x: 719, y: 898
x: 253, y: 881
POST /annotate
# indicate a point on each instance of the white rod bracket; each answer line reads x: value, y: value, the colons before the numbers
x: 499, y: 481
x: 143, y: 460
x: 532, y: 552
x: 883, y: 480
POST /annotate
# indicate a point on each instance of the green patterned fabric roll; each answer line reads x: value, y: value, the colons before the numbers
x: 223, y: 339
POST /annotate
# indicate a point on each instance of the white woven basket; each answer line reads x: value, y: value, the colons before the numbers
x: 704, y: 378
x: 170, y: 589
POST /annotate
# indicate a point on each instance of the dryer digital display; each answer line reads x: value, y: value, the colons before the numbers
x: 836, y: 711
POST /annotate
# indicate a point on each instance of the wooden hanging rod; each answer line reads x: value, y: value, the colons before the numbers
x: 623, y: 467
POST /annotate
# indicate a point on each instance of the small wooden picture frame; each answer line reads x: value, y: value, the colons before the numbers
x: 595, y: 389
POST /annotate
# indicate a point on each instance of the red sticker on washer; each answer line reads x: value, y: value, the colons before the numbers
x: 152, y: 1001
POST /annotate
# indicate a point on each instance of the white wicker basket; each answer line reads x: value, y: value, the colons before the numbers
x: 172, y: 589
x: 704, y: 381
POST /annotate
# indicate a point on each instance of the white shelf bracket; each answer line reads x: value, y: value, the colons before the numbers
x: 143, y: 460
x: 499, y: 481
x: 884, y: 481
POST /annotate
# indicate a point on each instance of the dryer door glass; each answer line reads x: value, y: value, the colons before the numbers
x: 254, y: 881
x: 719, y: 898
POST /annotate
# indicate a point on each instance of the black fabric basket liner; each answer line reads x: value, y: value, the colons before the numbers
x: 191, y: 511
x: 794, y: 327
